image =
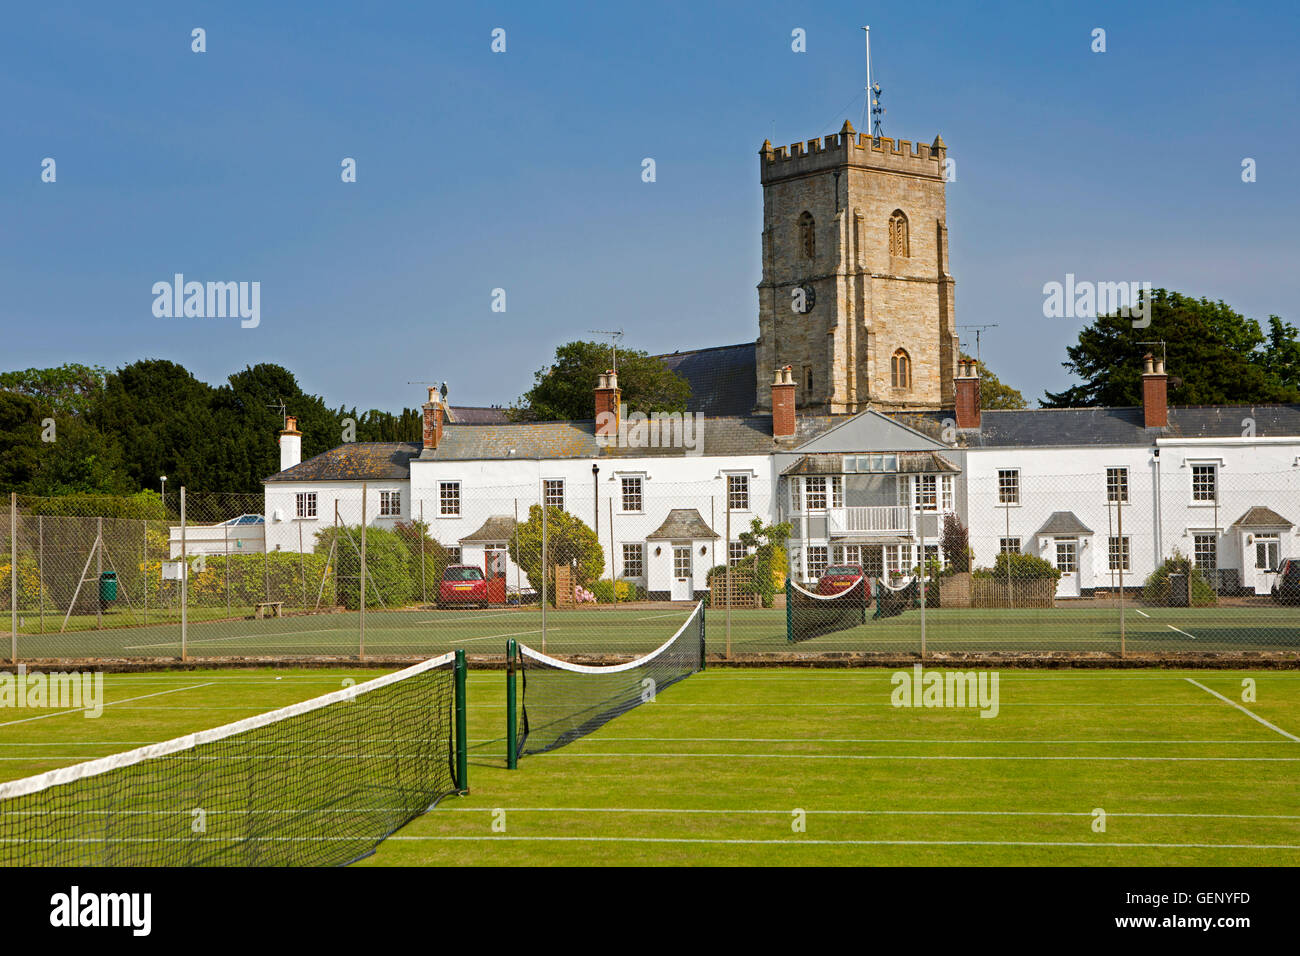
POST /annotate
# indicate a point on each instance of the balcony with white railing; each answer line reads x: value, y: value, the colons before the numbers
x: 876, y: 519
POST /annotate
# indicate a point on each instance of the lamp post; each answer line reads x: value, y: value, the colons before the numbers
x: 162, y: 481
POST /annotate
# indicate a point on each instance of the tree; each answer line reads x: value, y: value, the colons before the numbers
x: 67, y: 389
x: 1215, y: 357
x: 993, y: 392
x: 570, y: 543
x: 769, y: 561
x: 955, y: 542
x: 563, y: 390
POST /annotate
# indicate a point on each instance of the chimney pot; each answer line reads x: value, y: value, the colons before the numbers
x: 783, y: 408
x: 608, y: 399
x: 290, y: 443
x: 966, y: 402
x: 1155, y: 393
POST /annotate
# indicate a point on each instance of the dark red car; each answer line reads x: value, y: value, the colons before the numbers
x: 838, y: 577
x: 462, y: 584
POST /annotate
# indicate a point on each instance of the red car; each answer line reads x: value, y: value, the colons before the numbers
x: 838, y: 577
x: 462, y: 584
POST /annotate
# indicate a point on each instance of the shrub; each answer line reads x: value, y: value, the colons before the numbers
x: 422, y: 548
x: 956, y: 544
x: 388, y: 566
x: 606, y: 591
x: 625, y: 590
x: 1158, y: 591
x: 1021, y: 567
x: 570, y: 542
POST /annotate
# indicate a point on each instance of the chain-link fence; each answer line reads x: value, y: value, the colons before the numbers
x: 990, y: 562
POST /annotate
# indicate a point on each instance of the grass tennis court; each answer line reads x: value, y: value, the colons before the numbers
x: 636, y: 630
x: 712, y: 771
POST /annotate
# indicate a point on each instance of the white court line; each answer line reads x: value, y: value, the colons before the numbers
x: 1243, y: 710
x: 1180, y: 631
x: 239, y: 637
x: 555, y: 755
x: 1025, y: 843
x: 909, y: 740
x: 877, y: 813
x: 653, y: 617
x: 128, y: 700
x: 1143, y: 613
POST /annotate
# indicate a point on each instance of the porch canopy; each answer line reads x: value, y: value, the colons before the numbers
x: 496, y: 528
x: 682, y: 524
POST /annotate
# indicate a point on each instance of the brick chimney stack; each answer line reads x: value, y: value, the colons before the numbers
x: 967, y: 400
x: 783, y: 422
x: 608, y: 396
x: 1155, y: 392
x: 432, y: 420
x: 290, y: 443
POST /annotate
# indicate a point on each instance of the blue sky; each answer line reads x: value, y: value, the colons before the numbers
x: 522, y: 171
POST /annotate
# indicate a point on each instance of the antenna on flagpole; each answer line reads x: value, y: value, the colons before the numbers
x: 873, y: 95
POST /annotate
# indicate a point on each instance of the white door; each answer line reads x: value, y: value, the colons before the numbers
x: 683, y: 578
x: 1067, y: 562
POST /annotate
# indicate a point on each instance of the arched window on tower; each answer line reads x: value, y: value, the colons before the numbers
x: 807, y: 236
x: 900, y: 370
x: 898, y: 238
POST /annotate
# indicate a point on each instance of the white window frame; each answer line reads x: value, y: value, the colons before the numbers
x: 736, y: 552
x: 1071, y: 546
x: 304, y: 503
x: 639, y: 548
x: 1015, y: 486
x: 1214, y: 467
x: 1120, y: 548
x: 387, y: 508
x: 823, y: 495
x: 1121, y: 482
x: 818, y: 554
x: 744, y: 479
x: 624, y: 493
x: 547, y: 493
x: 1004, y: 545
x: 1198, y: 537
x: 1270, y: 542
x: 444, y: 499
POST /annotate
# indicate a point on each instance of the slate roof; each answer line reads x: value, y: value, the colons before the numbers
x: 479, y: 415
x: 723, y: 379
x: 909, y: 463
x: 496, y: 528
x: 1261, y: 517
x: 728, y: 435
x: 1046, y: 427
x: 1064, y: 523
x: 683, y: 524
x: 357, y: 461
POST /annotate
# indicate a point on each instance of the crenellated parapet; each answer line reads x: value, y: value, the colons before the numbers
x: 850, y: 148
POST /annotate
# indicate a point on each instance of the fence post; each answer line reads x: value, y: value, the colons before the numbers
x: 727, y: 558
x: 424, y: 585
x: 185, y: 584
x: 1119, y: 529
x: 361, y: 653
x: 144, y: 525
x: 40, y: 567
x: 920, y: 527
x: 546, y: 555
x: 99, y: 572
x: 225, y: 561
x: 13, y: 576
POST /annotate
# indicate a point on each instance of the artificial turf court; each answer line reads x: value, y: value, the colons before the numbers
x: 712, y: 771
x: 639, y: 629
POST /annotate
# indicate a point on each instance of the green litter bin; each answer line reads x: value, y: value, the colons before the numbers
x: 108, y: 586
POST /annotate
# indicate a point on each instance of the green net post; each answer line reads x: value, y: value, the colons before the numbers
x: 789, y: 611
x: 512, y: 741
x: 701, y: 635
x: 462, y: 731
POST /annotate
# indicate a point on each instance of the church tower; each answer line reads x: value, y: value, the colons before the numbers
x: 856, y: 295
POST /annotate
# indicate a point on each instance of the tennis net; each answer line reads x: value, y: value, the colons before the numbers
x: 317, y: 783
x: 892, y: 601
x: 810, y: 615
x: 563, y: 702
